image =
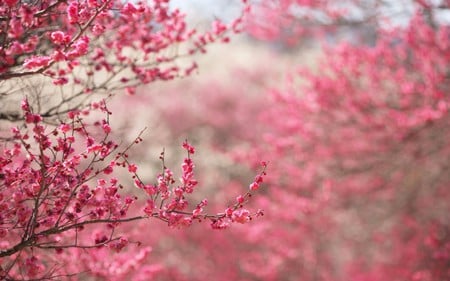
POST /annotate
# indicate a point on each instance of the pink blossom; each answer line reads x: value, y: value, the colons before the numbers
x: 58, y: 37
x: 188, y: 147
x: 254, y: 186
x: 25, y: 105
x: 108, y: 170
x: 119, y: 245
x: 241, y: 216
x: 35, y: 62
x: 129, y: 9
x: 11, y: 3
x: 219, y: 224
x: 60, y: 81
x: 106, y: 128
x: 32, y: 118
x: 81, y: 45
x: 98, y: 29
x: 196, y: 212
x: 65, y: 128
x: 58, y: 56
x: 72, y: 114
x: 15, y: 28
x: 33, y: 266
x: 132, y: 168
x: 72, y: 12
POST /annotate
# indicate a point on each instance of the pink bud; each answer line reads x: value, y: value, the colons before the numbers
x: 254, y: 186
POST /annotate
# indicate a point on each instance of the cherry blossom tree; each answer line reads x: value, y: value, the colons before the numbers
x: 60, y: 192
x: 358, y: 144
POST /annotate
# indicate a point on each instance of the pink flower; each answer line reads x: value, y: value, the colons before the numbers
x: 35, y: 62
x: 229, y: 212
x: 149, y: 207
x: 106, y: 128
x: 15, y: 48
x: 15, y: 28
x: 119, y: 245
x: 129, y: 9
x: 81, y: 45
x: 64, y: 128
x: 218, y: 27
x: 196, y: 212
x: 254, y: 186
x: 58, y: 37
x: 190, y: 149
x: 132, y: 168
x: 11, y: 3
x: 241, y: 216
x: 25, y: 106
x: 60, y: 81
x: 98, y: 29
x: 33, y: 266
x: 108, y: 170
x: 33, y: 118
x: 72, y: 12
x: 58, y: 56
x: 259, y: 179
x: 72, y: 114
x: 130, y: 91
x: 219, y: 224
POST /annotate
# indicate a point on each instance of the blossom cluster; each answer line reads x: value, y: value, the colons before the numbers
x: 106, y: 36
x: 57, y: 183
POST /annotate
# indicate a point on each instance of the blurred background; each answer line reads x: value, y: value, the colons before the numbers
x: 349, y: 101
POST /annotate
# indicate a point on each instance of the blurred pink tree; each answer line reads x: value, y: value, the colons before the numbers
x: 359, y: 180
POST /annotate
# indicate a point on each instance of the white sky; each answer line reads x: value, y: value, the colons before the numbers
x: 201, y: 10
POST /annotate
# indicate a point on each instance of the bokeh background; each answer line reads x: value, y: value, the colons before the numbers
x: 351, y: 112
